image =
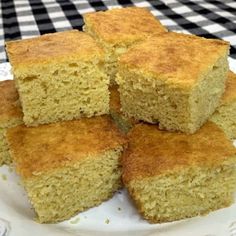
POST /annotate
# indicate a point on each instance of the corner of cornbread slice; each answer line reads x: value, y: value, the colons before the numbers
x: 172, y: 176
x: 117, y: 29
x: 10, y: 116
x: 59, y: 76
x: 225, y: 114
x: 67, y: 167
x: 124, y: 123
x: 174, y: 79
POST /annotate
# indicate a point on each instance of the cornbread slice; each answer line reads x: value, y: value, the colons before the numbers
x: 10, y: 116
x: 124, y: 123
x: 59, y: 77
x: 118, y: 29
x: 174, y: 79
x: 225, y: 114
x: 172, y: 176
x: 67, y: 167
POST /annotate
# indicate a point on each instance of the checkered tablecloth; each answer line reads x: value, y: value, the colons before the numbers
x: 28, y: 18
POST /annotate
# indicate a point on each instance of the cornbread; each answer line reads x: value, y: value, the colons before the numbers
x: 124, y: 123
x: 225, y: 114
x: 59, y: 77
x: 10, y: 116
x: 172, y: 176
x: 67, y: 167
x: 118, y: 29
x: 174, y: 79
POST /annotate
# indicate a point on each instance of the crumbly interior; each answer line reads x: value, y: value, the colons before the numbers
x: 63, y: 91
x: 112, y: 53
x: 4, y: 154
x: 225, y: 118
x: 185, y: 194
x: 58, y: 195
x: 5, y: 157
x: 152, y: 100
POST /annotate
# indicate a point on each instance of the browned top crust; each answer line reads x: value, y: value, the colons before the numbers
x: 152, y: 152
x: 123, y: 26
x: 176, y: 58
x: 53, y: 47
x: 40, y: 149
x: 230, y: 90
x: 10, y: 108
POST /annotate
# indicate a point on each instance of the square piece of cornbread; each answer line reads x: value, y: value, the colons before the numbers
x: 10, y: 116
x: 123, y: 122
x: 174, y: 79
x: 67, y: 167
x: 118, y: 29
x: 225, y: 114
x: 59, y: 77
x: 172, y: 176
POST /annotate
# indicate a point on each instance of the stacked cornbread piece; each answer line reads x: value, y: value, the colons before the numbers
x: 66, y: 166
x: 159, y: 87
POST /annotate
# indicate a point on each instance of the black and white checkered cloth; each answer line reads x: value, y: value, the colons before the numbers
x: 28, y: 18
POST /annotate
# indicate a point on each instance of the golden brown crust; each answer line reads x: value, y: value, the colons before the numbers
x: 37, y: 150
x: 175, y: 58
x: 230, y: 90
x: 9, y: 103
x: 152, y: 152
x: 52, y: 47
x: 123, y: 26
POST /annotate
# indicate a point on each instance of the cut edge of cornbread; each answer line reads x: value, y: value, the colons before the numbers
x: 83, y: 185
x: 5, y: 158
x: 10, y: 116
x: 202, y: 190
x: 64, y: 98
x: 225, y: 114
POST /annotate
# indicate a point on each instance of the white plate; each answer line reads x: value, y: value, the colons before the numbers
x: 114, y: 217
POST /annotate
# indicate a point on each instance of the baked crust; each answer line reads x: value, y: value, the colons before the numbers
x: 230, y: 90
x: 178, y: 59
x: 47, y: 147
x: 10, y: 108
x: 53, y: 47
x: 123, y: 26
x: 152, y: 152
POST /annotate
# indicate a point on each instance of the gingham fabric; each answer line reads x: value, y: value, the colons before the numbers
x: 29, y: 18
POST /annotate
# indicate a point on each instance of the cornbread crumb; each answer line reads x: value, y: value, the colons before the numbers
x: 172, y: 176
x: 59, y: 76
x: 174, y: 79
x: 67, y: 167
x: 75, y: 221
x: 225, y: 114
x: 118, y: 29
x: 10, y: 116
x: 4, y: 177
x: 10, y: 169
